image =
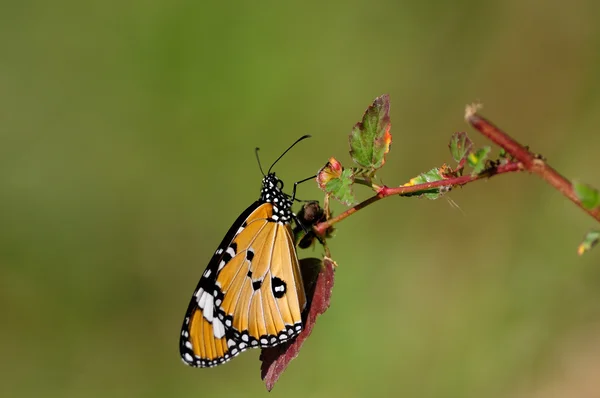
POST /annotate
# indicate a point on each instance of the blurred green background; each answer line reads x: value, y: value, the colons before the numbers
x: 127, y: 132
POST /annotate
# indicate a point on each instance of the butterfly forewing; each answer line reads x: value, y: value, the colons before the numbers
x: 251, y: 294
x: 204, y: 340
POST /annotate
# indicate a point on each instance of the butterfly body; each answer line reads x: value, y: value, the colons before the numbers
x: 251, y: 294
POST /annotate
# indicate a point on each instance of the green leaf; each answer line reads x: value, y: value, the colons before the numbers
x: 477, y: 159
x: 429, y: 176
x: 589, y: 241
x: 460, y: 146
x: 589, y: 197
x: 370, y: 139
x: 341, y: 187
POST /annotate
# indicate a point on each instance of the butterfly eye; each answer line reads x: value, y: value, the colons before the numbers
x: 280, y: 184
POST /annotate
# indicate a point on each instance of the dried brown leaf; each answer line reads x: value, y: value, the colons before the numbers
x: 318, y: 278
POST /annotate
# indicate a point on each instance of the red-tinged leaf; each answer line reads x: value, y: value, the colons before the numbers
x: 460, y: 146
x: 337, y: 181
x: 431, y: 176
x: 370, y: 139
x: 477, y: 159
x: 318, y: 277
x: 333, y: 169
x: 341, y: 188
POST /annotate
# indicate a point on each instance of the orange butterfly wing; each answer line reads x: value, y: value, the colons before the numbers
x: 262, y: 286
x: 250, y: 295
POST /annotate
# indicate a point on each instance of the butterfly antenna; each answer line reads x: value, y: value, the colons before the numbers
x: 286, y: 151
x: 258, y: 160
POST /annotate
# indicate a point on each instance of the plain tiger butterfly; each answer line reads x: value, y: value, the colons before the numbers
x: 251, y: 294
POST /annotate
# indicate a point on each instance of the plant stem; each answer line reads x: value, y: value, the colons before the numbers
x: 531, y: 162
x: 522, y: 160
x: 410, y: 190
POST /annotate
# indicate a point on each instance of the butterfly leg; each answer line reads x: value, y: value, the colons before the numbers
x: 298, y: 183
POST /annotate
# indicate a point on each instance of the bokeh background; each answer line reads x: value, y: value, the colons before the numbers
x: 127, y: 132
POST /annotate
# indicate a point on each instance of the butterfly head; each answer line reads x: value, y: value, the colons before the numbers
x: 272, y: 192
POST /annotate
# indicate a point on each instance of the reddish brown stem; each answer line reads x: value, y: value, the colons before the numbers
x: 384, y: 191
x: 530, y: 161
x: 523, y: 159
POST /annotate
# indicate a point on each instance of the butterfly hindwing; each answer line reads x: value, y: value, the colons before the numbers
x: 255, y: 283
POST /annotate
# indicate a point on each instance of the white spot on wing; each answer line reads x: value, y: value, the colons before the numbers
x: 218, y: 329
x: 207, y: 311
x: 231, y: 252
x: 221, y: 265
x: 202, y: 299
x: 188, y: 358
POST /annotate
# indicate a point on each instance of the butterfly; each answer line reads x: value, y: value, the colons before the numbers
x: 251, y: 294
